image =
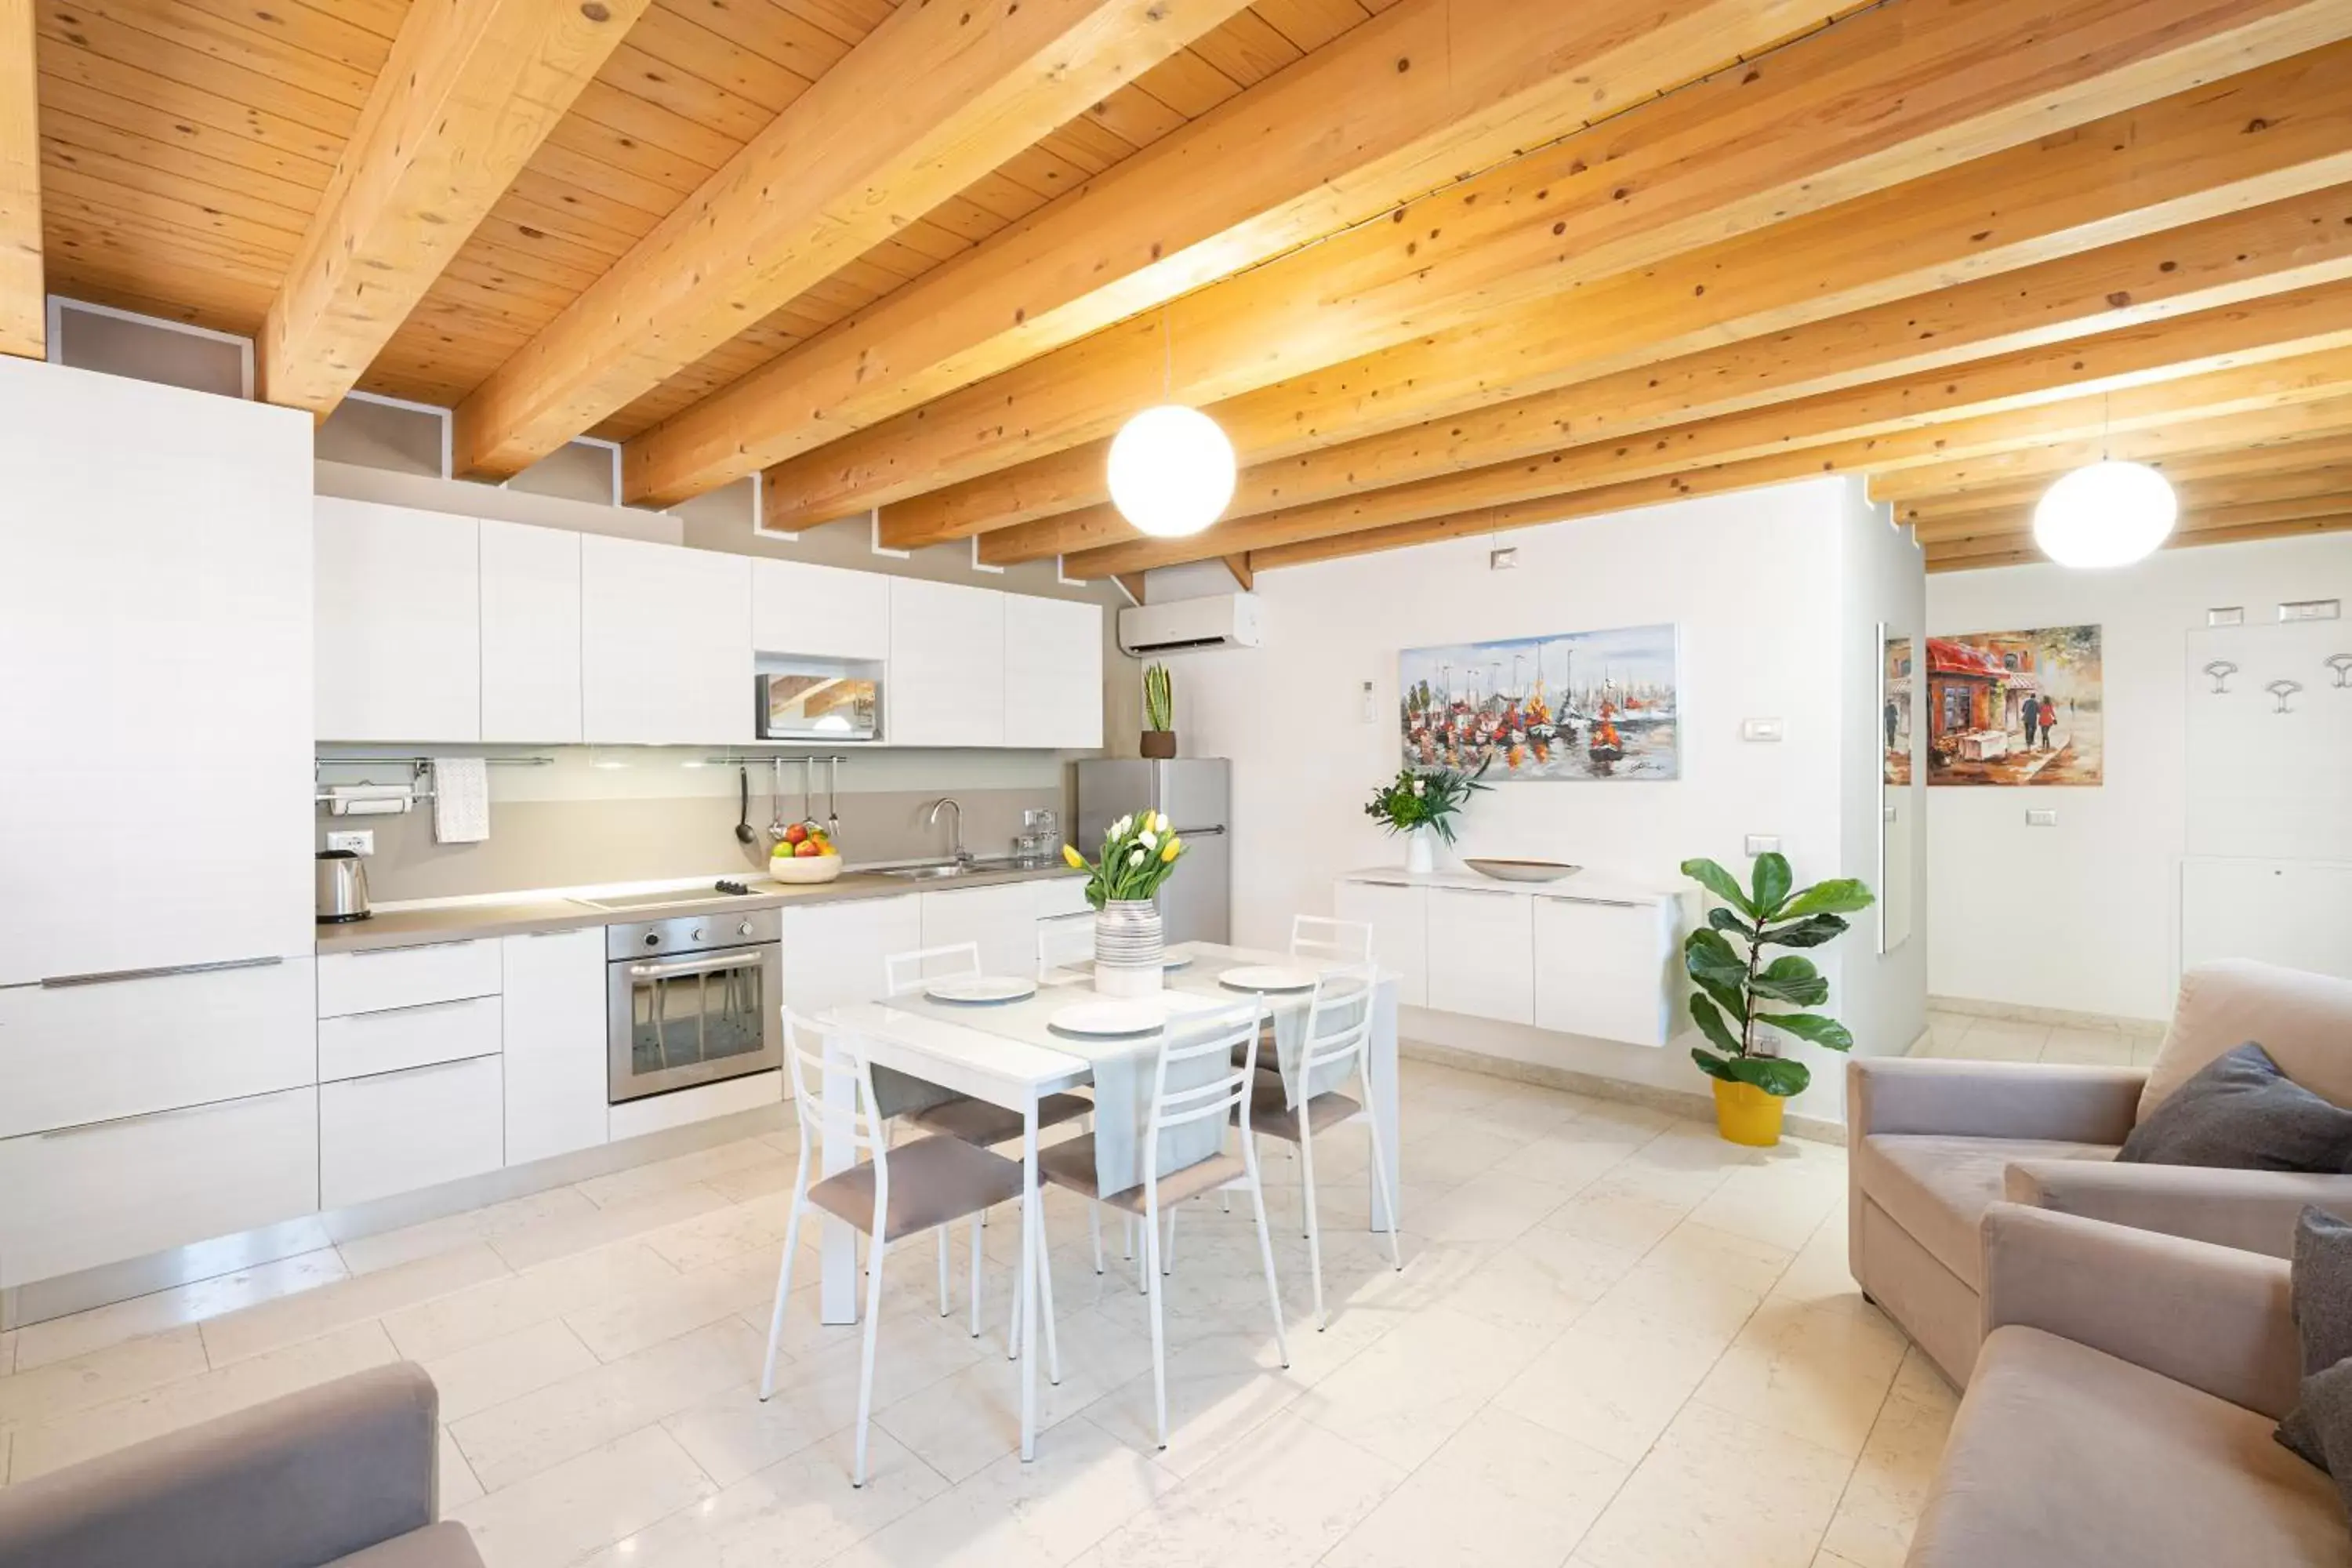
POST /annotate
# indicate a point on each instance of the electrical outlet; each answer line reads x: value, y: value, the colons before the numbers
x: 1763, y: 844
x: 360, y: 841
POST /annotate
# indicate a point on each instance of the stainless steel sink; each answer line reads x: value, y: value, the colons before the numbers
x: 940, y: 871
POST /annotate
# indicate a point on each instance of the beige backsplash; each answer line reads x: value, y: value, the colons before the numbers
x: 573, y: 843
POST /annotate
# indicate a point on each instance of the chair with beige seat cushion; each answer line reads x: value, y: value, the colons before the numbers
x: 1932, y: 1142
x: 2122, y: 1410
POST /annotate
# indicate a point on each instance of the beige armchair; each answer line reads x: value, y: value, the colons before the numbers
x: 2122, y: 1410
x: 1932, y: 1143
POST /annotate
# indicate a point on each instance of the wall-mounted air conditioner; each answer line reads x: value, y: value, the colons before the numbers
x: 1220, y: 620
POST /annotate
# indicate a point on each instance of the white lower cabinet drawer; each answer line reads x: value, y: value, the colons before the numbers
x: 84, y: 1196
x: 400, y: 1132
x: 380, y: 978
x: 363, y: 1044
x: 1062, y: 896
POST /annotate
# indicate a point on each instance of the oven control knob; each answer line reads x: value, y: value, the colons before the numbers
x: 652, y: 939
x: 743, y: 930
x: 696, y: 933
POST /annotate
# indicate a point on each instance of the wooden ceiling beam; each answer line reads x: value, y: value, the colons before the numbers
x: 1386, y: 110
x: 1881, y: 97
x: 2078, y: 222
x: 1967, y: 519
x: 470, y: 91
x: 23, y: 305
x: 2004, y: 529
x: 2250, y: 465
x: 2297, y: 347
x: 934, y: 98
x: 2022, y: 552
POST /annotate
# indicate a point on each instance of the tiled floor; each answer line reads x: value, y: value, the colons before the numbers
x: 1968, y: 1036
x: 1618, y: 1343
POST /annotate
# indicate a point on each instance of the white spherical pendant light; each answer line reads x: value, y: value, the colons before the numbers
x: 1172, y: 471
x: 2106, y: 514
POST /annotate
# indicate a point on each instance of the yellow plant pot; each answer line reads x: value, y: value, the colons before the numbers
x: 1746, y: 1114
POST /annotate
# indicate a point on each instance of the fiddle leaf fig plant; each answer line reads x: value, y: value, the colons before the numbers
x: 1737, y: 984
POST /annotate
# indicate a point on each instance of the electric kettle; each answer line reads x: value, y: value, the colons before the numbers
x: 343, y: 887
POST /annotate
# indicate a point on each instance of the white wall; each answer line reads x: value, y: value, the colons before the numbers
x: 2084, y: 916
x: 1754, y: 583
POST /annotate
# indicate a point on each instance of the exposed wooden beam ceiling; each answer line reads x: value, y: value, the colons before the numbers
x: 24, y: 308
x: 2220, y: 525
x: 1878, y: 98
x: 2281, y: 486
x: 1386, y: 112
x: 2251, y: 466
x: 2135, y: 173
x: 934, y: 98
x: 471, y: 89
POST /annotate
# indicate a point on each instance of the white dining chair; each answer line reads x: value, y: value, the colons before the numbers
x: 1319, y: 936
x: 926, y: 1184
x: 1225, y: 1099
x: 1336, y: 1048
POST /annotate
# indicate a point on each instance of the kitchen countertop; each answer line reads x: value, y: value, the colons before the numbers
x: 419, y: 925
x: 1593, y: 887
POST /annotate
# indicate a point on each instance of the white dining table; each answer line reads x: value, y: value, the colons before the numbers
x: 1016, y: 1069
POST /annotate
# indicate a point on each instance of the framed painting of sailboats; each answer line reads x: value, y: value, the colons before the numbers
x: 1574, y: 707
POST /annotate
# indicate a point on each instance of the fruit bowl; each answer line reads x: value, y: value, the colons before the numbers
x: 804, y: 868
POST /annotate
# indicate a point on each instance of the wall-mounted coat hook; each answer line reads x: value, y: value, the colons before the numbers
x: 2341, y: 663
x: 2220, y: 669
x: 2282, y: 690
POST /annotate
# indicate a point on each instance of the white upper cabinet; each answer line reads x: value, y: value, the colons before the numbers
x: 946, y: 685
x: 666, y: 644
x: 155, y: 630
x: 822, y: 612
x: 1053, y: 673
x: 530, y: 634
x: 399, y: 624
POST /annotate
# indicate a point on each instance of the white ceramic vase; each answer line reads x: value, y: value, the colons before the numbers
x: 1130, y: 951
x: 1421, y: 851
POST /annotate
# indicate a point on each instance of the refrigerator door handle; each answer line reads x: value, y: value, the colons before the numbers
x: 1196, y: 832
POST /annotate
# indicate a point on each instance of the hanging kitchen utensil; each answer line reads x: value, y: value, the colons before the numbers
x: 832, y: 792
x: 743, y: 834
x: 808, y: 791
x: 775, y: 800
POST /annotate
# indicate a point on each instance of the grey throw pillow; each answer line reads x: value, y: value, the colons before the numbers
x: 2320, y: 1427
x: 2241, y: 1112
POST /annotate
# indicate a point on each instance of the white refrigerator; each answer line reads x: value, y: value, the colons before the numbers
x: 1195, y: 793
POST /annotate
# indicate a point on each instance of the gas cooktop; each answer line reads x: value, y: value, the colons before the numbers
x: 674, y: 896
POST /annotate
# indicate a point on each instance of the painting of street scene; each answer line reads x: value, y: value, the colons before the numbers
x: 1572, y: 708
x: 2015, y: 708
x: 1895, y: 719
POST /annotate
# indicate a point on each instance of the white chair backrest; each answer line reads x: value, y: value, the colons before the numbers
x: 1338, y: 1024
x: 1318, y: 936
x: 1227, y: 1037
x: 804, y: 1060
x: 1065, y: 940
x: 905, y: 971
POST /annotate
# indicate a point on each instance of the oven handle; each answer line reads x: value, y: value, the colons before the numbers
x: 708, y: 964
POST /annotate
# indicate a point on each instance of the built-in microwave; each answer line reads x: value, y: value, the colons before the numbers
x: 816, y: 703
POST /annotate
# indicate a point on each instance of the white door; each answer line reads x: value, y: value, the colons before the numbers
x: 399, y: 624
x: 554, y: 1043
x: 1601, y: 969
x: 1053, y: 673
x: 530, y: 634
x: 946, y: 681
x: 832, y: 952
x: 666, y: 644
x: 1397, y: 913
x: 1002, y: 919
x: 1481, y: 955
x: 822, y: 612
x: 155, y: 594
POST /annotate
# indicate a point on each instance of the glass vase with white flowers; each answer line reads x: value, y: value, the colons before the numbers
x: 1140, y: 852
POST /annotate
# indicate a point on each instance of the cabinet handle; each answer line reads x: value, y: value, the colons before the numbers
x: 1605, y: 904
x: 417, y: 1007
x: 1474, y: 892
x: 80, y: 1128
x: 407, y: 947
x: 109, y: 976
x: 1377, y: 882
x: 419, y: 1068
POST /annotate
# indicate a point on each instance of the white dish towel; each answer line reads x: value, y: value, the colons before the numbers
x: 461, y: 800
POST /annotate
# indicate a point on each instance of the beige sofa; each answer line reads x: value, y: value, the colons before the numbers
x: 2122, y: 1411
x: 341, y: 1476
x: 1932, y: 1142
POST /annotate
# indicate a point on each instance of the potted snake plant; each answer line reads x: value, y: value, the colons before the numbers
x: 1159, y: 712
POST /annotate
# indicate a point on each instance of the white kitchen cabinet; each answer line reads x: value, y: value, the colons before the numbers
x: 399, y: 624
x: 155, y: 616
x: 555, y: 1061
x: 666, y: 644
x: 1397, y: 913
x: 946, y: 684
x: 361, y: 1045
x: 1053, y: 673
x: 1061, y: 896
x: 73, y: 1055
x: 1002, y: 919
x: 1481, y: 953
x: 1600, y: 968
x: 832, y: 952
x: 82, y: 1196
x: 530, y: 634
x: 373, y: 979
x: 821, y: 612
x: 401, y: 1132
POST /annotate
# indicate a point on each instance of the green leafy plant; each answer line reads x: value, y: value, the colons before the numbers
x: 1158, y: 699
x: 1733, y: 989
x: 1139, y: 853
x: 1424, y: 798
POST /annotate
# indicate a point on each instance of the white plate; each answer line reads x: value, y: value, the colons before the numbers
x: 1111, y: 1016
x: 981, y: 988
x: 1268, y: 977
x: 1176, y: 957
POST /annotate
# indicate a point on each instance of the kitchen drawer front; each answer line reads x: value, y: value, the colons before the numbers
x: 382, y: 978
x: 1481, y: 955
x: 1062, y: 896
x: 363, y: 1044
x: 90, y: 1196
x: 401, y: 1132
x: 73, y: 1055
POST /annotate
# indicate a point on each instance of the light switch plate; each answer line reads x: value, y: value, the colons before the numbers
x: 2226, y: 615
x: 2311, y: 610
x: 1760, y: 728
x: 1762, y: 844
x: 360, y: 841
x: 2041, y: 817
x: 1371, y: 707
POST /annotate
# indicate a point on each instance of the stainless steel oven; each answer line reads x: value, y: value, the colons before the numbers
x: 692, y: 1000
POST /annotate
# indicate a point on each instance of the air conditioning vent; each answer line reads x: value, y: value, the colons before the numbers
x: 1187, y: 626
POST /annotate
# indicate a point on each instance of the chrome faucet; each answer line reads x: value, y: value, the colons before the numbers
x: 955, y: 844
